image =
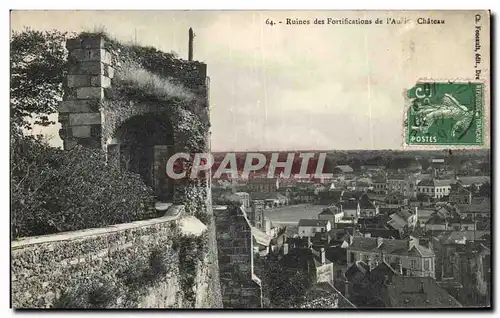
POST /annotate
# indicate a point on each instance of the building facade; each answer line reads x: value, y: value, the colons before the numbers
x: 309, y: 227
x: 435, y: 188
x: 409, y: 256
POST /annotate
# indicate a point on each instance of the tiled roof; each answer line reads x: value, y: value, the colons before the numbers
x: 470, y: 235
x: 484, y: 207
x: 344, y: 168
x: 436, y: 219
x: 331, y: 210
x: 357, y: 267
x: 468, y: 180
x: 388, y: 246
x: 261, y: 237
x: 435, y: 182
x: 312, y: 222
x: 350, y: 205
x: 383, y: 233
x: 418, y: 292
x: 365, y: 203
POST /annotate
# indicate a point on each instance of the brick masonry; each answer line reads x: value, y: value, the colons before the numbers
x: 241, y: 288
x: 89, y: 73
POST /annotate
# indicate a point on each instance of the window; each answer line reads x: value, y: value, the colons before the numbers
x: 427, y: 264
x: 314, y: 230
x: 413, y: 264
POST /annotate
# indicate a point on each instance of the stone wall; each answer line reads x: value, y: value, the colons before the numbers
x: 122, y: 266
x: 240, y: 287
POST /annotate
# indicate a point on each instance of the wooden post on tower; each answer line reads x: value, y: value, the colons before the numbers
x: 191, y: 38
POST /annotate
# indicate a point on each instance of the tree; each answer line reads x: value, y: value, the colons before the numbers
x: 38, y: 68
x: 53, y: 190
x: 283, y: 287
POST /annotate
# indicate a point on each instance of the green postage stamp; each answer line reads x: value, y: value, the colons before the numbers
x: 445, y: 114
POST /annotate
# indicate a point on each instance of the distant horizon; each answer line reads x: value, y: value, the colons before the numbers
x: 354, y: 150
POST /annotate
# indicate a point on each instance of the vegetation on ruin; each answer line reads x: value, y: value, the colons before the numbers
x: 38, y: 69
x: 122, y: 288
x: 55, y: 191
x: 192, y: 250
x: 281, y: 287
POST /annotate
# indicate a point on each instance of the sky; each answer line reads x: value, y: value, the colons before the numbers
x: 295, y: 87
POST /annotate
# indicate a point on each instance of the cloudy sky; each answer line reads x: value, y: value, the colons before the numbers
x: 295, y: 87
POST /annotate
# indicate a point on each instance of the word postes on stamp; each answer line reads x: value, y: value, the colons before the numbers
x: 445, y: 113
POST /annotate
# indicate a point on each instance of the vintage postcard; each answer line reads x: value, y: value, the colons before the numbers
x: 250, y: 159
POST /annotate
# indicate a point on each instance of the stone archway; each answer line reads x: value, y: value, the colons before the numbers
x: 143, y: 144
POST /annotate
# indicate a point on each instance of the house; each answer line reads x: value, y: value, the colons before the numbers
x: 351, y: 209
x: 343, y: 169
x: 363, y: 186
x: 302, y: 195
x: 459, y: 194
x: 333, y: 214
x: 471, y: 268
x: 404, y: 184
x: 479, y: 207
x: 395, y: 200
x: 416, y: 292
x: 404, y: 218
x: 330, y: 197
x: 242, y: 197
x: 436, y: 222
x: 446, y: 244
x: 264, y: 185
x: 367, y: 209
x: 379, y: 285
x: 416, y: 257
x: 380, y: 185
x: 381, y: 232
x: 271, y: 199
x: 308, y: 227
x: 261, y: 241
x: 477, y: 181
x: 372, y: 168
x: 435, y: 188
x: 311, y: 261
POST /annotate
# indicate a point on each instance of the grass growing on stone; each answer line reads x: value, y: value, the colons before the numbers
x: 146, y: 85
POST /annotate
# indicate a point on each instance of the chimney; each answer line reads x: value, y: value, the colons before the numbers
x: 191, y: 38
x: 346, y: 288
x: 386, y: 280
x: 285, y: 248
x: 322, y: 255
x: 380, y: 240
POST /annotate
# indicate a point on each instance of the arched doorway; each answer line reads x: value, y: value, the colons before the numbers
x: 143, y: 145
